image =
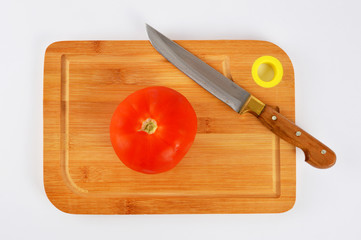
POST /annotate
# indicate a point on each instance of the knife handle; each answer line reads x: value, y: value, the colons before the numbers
x: 317, y: 154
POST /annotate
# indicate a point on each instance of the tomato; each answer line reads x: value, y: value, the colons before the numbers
x: 152, y: 129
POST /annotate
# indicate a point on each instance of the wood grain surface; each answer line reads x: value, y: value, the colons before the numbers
x: 316, y: 153
x: 236, y: 165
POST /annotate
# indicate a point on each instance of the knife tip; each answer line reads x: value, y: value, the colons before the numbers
x: 147, y: 26
x: 150, y: 30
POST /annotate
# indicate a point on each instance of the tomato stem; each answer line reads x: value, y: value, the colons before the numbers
x: 149, y: 126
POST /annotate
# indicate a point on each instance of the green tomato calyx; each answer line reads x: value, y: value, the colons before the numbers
x: 149, y: 126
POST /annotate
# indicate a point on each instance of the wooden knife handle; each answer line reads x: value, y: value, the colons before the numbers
x: 317, y: 154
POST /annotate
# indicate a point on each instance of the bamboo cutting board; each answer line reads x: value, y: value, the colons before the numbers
x: 235, y: 165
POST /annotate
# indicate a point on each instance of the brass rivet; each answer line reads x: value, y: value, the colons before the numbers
x: 274, y: 118
x: 323, y: 151
x: 298, y: 133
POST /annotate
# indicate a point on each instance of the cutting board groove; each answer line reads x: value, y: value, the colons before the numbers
x: 234, y: 166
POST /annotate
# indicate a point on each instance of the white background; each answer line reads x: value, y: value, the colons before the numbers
x: 323, y: 41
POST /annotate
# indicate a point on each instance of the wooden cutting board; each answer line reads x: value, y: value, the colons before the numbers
x: 235, y: 165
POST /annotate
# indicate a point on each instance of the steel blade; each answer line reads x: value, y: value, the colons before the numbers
x: 203, y: 74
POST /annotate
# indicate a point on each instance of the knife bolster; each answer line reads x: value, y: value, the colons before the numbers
x: 253, y: 105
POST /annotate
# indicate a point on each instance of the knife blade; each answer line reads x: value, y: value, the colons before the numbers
x: 316, y: 153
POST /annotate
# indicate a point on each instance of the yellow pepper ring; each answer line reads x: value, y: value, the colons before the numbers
x: 277, y: 69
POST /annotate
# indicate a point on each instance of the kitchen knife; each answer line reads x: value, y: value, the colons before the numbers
x: 316, y: 153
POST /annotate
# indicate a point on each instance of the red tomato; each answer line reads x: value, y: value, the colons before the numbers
x: 152, y: 129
